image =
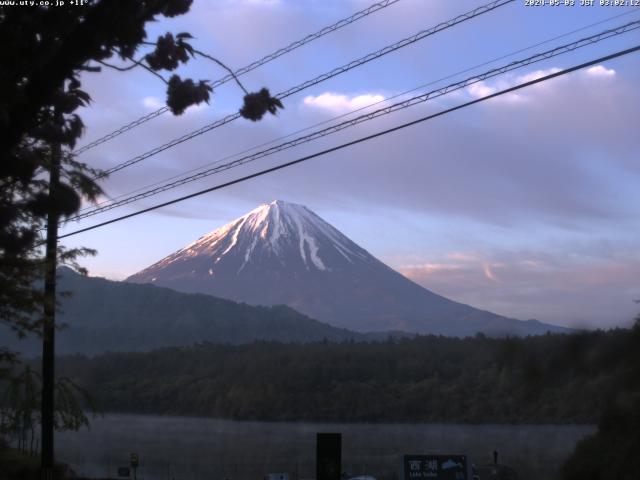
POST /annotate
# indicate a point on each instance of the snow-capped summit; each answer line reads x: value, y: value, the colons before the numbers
x: 277, y: 232
x: 283, y: 253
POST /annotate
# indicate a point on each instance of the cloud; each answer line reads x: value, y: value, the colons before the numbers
x: 486, y: 268
x: 510, y: 167
x: 152, y: 103
x: 480, y: 89
x: 536, y: 74
x: 340, y: 103
x: 500, y: 184
x: 600, y: 71
x: 427, y: 269
x: 462, y: 256
x: 578, y: 289
x: 488, y: 87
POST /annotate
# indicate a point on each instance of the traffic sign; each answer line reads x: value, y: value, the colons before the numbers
x: 436, y: 467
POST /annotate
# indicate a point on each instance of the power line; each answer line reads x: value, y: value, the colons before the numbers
x: 320, y: 78
x: 252, y: 66
x: 369, y: 116
x: 121, y: 130
x: 383, y: 111
x: 363, y: 139
x: 337, y: 117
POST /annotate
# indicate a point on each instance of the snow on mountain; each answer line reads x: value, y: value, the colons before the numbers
x: 289, y: 233
x: 283, y: 253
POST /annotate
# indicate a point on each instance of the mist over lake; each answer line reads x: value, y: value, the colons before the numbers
x: 201, y: 448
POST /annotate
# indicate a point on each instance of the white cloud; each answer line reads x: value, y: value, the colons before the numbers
x: 152, y: 103
x: 484, y: 88
x: 480, y: 89
x: 338, y: 103
x: 600, y: 71
x: 536, y: 74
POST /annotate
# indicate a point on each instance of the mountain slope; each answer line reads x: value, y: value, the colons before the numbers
x: 282, y: 253
x: 103, y: 315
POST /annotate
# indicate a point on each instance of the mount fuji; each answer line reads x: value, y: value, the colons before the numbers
x: 283, y: 253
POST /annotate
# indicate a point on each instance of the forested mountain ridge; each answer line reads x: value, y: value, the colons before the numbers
x: 102, y: 315
x: 541, y: 379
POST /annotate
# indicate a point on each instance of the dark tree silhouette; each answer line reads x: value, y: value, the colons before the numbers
x: 552, y: 379
x: 43, y: 52
x: 612, y: 452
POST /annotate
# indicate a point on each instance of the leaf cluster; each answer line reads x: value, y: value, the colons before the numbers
x: 183, y: 93
x: 258, y: 103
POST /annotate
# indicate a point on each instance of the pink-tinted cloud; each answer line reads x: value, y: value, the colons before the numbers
x: 567, y: 289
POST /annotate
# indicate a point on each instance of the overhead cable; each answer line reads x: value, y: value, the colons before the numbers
x: 361, y: 139
x: 359, y: 109
x: 314, y: 81
x: 368, y: 116
x: 252, y: 66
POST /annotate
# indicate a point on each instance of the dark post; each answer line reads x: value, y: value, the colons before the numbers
x: 135, y: 461
x: 328, y: 456
x: 49, y: 323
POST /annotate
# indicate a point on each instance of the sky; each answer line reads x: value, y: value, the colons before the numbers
x: 527, y: 205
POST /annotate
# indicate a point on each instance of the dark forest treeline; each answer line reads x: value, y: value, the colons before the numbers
x: 542, y: 379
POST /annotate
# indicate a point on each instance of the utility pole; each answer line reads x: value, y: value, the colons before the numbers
x: 49, y: 323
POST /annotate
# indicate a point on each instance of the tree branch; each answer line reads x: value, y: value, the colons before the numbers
x: 213, y: 59
x: 139, y: 63
x: 83, y: 43
x: 115, y: 67
x: 223, y: 66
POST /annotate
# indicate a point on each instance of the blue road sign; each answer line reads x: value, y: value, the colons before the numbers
x: 436, y: 467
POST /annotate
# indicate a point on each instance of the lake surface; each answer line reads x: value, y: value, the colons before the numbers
x: 201, y: 448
